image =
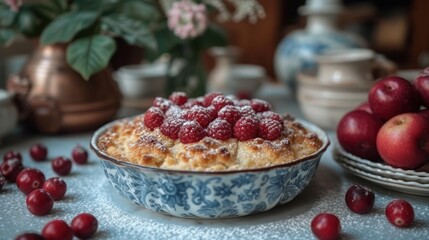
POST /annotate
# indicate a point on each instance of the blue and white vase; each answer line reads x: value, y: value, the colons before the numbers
x: 297, y: 51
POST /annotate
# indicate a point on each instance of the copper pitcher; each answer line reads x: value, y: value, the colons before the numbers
x: 54, y: 98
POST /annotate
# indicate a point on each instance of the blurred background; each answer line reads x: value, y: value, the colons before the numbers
x: 396, y: 28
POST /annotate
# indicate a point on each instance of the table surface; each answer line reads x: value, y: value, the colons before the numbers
x: 89, y: 191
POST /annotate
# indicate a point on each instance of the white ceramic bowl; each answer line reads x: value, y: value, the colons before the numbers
x: 325, y: 104
x: 142, y: 81
x: 226, y: 194
x: 8, y: 113
x: 245, y: 79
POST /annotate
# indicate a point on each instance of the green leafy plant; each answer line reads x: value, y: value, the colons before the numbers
x: 87, y: 27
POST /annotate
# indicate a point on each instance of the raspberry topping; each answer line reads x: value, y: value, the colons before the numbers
x: 208, y: 98
x: 260, y: 105
x: 153, y: 118
x: 243, y: 102
x: 179, y: 98
x: 201, y: 115
x: 270, y: 115
x: 270, y: 129
x: 162, y: 103
x: 221, y: 101
x: 246, y: 128
x: 215, y: 115
x: 193, y: 102
x: 171, y: 127
x: 247, y: 111
x: 173, y: 111
x: 220, y: 129
x: 191, y: 132
x: 229, y: 113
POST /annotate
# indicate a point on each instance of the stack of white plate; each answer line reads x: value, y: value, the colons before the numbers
x: 407, y: 181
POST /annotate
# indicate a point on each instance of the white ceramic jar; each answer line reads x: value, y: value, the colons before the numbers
x: 8, y: 113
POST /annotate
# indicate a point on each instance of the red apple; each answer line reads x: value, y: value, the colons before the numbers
x: 421, y: 83
x: 357, y: 133
x: 364, y: 107
x: 392, y: 96
x: 403, y: 141
x: 424, y: 113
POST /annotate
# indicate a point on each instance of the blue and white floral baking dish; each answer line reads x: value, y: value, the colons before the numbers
x: 210, y: 195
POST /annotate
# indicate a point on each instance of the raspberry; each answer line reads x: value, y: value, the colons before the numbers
x: 162, y: 103
x: 229, y: 113
x: 193, y: 102
x: 246, y: 128
x: 171, y: 126
x: 270, y: 129
x: 243, y: 102
x: 178, y: 98
x: 208, y: 98
x: 221, y: 101
x: 246, y: 111
x: 260, y: 105
x: 153, y: 118
x: 191, y: 132
x: 270, y: 115
x: 212, y: 112
x: 220, y: 129
x: 200, y: 114
x: 173, y: 111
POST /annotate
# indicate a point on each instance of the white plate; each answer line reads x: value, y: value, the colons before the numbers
x: 375, y: 165
x: 394, y: 184
x: 382, y: 172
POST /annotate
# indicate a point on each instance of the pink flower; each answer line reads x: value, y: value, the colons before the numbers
x: 14, y: 4
x: 187, y: 19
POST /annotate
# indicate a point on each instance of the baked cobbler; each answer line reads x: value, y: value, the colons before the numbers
x: 210, y: 133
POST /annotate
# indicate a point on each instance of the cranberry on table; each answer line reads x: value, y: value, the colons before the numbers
x: 84, y: 225
x: 39, y: 202
x: 30, y: 236
x: 326, y: 226
x: 12, y: 154
x: 30, y: 179
x: 57, y: 230
x: 400, y: 213
x: 56, y: 187
x: 61, y: 165
x: 11, y: 168
x: 38, y: 152
x: 360, y: 199
x: 80, y: 155
x: 2, y: 181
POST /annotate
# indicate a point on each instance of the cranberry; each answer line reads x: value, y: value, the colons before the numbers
x: 61, y: 165
x: 84, y: 225
x: 39, y: 202
x: 360, y: 199
x: 400, y: 213
x: 2, y: 181
x: 55, y: 186
x: 11, y: 168
x: 29, y: 236
x: 12, y: 154
x: 30, y: 179
x: 57, y: 230
x: 38, y: 152
x: 326, y: 226
x: 80, y: 155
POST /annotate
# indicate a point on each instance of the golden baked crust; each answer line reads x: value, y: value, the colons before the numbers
x: 130, y: 140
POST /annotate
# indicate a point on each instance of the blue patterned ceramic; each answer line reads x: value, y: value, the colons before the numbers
x: 210, y: 194
x: 297, y: 51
